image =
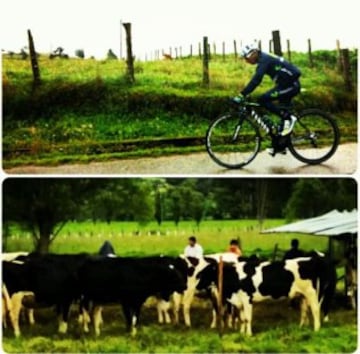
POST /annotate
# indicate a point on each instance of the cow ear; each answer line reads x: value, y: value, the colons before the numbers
x: 191, y: 271
x: 194, y: 261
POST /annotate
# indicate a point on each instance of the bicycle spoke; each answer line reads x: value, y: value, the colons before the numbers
x: 232, y: 142
x: 315, y: 137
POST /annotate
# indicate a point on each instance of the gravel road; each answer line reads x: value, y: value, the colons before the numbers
x: 343, y: 162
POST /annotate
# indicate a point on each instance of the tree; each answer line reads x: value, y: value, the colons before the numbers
x: 122, y: 199
x: 160, y: 187
x: 314, y: 196
x: 43, y: 206
x: 80, y: 53
x: 261, y: 196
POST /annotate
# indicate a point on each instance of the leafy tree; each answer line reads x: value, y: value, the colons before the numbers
x: 80, y: 53
x: 122, y: 199
x: 313, y: 197
x: 160, y: 187
x: 43, y: 206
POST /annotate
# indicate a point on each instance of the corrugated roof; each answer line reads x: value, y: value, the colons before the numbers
x: 333, y: 223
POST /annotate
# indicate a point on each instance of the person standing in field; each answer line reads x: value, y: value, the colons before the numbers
x: 193, y: 249
x: 234, y: 247
x: 107, y: 250
x: 294, y: 251
x: 287, y: 85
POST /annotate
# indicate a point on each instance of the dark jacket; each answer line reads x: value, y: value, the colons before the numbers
x: 281, y: 72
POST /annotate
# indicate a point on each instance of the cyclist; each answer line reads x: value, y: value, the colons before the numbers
x: 286, y: 78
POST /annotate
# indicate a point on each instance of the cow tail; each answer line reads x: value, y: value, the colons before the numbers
x: 6, y: 297
x: 319, y: 293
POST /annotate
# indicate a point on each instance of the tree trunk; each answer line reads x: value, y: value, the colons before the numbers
x: 261, y: 200
x: 43, y: 244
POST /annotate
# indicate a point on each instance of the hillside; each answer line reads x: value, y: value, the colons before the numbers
x: 87, y: 106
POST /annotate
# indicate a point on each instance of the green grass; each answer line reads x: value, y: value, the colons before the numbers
x: 130, y: 238
x: 85, y: 103
x: 275, y: 328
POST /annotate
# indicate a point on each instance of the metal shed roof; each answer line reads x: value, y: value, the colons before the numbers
x: 333, y: 223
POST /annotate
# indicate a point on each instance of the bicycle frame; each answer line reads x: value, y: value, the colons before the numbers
x: 250, y: 108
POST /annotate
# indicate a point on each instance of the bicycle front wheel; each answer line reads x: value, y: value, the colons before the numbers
x: 315, y: 137
x: 233, y: 141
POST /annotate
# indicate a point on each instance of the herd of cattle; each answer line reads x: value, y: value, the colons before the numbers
x: 92, y: 281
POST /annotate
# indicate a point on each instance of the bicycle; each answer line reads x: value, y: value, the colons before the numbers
x: 233, y: 140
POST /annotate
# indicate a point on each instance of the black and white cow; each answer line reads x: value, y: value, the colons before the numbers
x: 194, y: 268
x: 128, y: 281
x: 49, y: 280
x: 313, y: 279
x: 12, y: 305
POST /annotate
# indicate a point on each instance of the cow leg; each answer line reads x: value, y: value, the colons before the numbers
x: 6, y: 304
x: 231, y: 313
x: 311, y: 298
x: 163, y: 311
x: 187, y: 300
x: 97, y: 319
x: 134, y: 321
x: 84, y: 317
x: 214, y: 296
x: 304, y: 318
x: 63, y: 312
x: 30, y: 313
x: 176, y: 306
x: 4, y: 312
x: 247, y: 317
x: 16, y: 302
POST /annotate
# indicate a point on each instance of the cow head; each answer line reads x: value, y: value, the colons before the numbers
x: 207, y: 276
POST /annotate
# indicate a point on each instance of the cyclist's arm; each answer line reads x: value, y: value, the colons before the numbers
x: 255, y: 81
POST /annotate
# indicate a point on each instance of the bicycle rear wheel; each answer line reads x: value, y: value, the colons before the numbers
x: 233, y: 141
x: 315, y: 137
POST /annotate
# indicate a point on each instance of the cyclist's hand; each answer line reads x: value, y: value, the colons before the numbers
x: 238, y: 99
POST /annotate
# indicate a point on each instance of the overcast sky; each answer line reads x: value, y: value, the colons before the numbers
x: 94, y: 25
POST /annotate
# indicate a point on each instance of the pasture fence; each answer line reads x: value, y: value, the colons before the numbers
x: 207, y: 53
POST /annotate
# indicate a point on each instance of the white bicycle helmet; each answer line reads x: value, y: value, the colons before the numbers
x: 247, y: 49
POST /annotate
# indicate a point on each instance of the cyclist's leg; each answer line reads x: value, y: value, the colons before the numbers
x: 286, y: 94
x: 283, y: 95
x: 267, y: 101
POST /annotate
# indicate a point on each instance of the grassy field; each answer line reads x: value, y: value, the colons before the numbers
x: 84, y: 109
x: 131, y: 239
x: 275, y: 323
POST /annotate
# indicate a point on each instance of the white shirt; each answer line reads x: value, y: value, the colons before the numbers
x: 196, y: 251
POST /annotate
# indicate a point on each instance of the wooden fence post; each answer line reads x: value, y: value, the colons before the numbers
x: 311, y: 61
x: 214, y: 50
x: 288, y: 49
x: 34, y: 61
x: 235, y: 50
x: 259, y: 45
x: 339, y: 61
x: 199, y: 47
x: 191, y: 50
x: 270, y: 46
x: 223, y: 51
x: 277, y: 43
x: 345, y: 58
x: 206, y: 79
x: 129, y: 54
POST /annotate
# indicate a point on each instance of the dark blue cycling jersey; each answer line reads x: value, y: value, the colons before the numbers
x: 281, y: 72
